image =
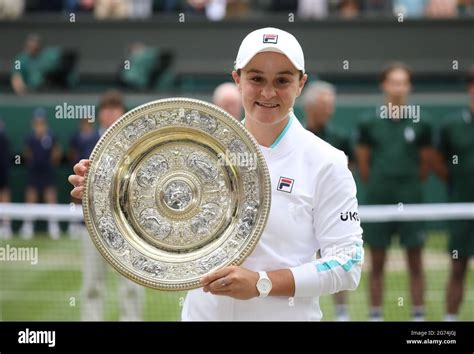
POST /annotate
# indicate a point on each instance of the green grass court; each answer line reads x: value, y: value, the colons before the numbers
x: 50, y: 290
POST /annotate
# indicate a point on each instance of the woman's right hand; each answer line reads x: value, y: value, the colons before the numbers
x: 77, y: 180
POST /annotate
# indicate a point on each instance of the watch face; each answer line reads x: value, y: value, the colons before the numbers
x: 264, y: 285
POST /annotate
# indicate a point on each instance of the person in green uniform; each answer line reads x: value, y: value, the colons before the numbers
x: 143, y: 60
x: 30, y: 68
x: 319, y: 101
x: 26, y: 72
x: 393, y: 155
x: 455, y: 145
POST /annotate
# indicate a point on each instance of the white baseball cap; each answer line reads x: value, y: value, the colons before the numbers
x: 270, y: 39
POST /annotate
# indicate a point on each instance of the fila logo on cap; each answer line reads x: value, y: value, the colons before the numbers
x: 270, y: 38
x: 285, y: 184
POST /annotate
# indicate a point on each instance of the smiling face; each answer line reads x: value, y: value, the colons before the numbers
x: 269, y: 85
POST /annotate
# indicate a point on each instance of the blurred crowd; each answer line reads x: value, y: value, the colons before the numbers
x: 217, y: 10
x: 40, y: 68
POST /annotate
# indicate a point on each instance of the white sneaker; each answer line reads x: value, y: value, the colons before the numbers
x: 54, y: 230
x: 343, y: 318
x: 2, y: 233
x: 6, y: 233
x: 418, y: 318
x: 376, y: 319
x: 26, y: 231
x: 73, y: 231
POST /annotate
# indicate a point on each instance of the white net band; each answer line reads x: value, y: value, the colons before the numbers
x: 368, y: 213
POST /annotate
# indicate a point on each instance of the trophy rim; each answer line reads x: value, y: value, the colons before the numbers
x: 262, y: 172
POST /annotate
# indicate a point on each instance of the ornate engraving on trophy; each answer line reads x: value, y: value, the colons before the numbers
x: 166, y: 213
x: 178, y: 195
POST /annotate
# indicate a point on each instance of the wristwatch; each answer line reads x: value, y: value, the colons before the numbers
x: 264, y: 284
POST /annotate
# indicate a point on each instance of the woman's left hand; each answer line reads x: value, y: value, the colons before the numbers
x: 237, y: 282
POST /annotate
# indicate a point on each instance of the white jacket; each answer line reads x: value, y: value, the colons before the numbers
x: 314, y: 207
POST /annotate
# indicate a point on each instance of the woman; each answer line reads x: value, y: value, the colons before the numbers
x: 314, y: 205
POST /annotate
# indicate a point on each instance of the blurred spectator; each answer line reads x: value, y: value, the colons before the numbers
x: 168, y: 6
x: 441, y: 8
x: 227, y: 96
x: 319, y: 105
x: 5, y: 158
x: 349, y: 8
x: 81, y: 144
x: 83, y: 141
x: 466, y: 7
x: 409, y: 8
x: 215, y: 10
x: 27, y: 69
x: 319, y: 100
x: 317, y: 9
x: 456, y: 166
x: 131, y: 295
x: 196, y: 5
x: 143, y: 62
x: 43, y: 154
x: 79, y: 5
x: 36, y: 67
x: 237, y: 8
x: 122, y: 9
x: 11, y: 9
x: 147, y: 67
x: 140, y: 9
x: 393, y: 155
x: 377, y: 7
x: 112, y: 9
